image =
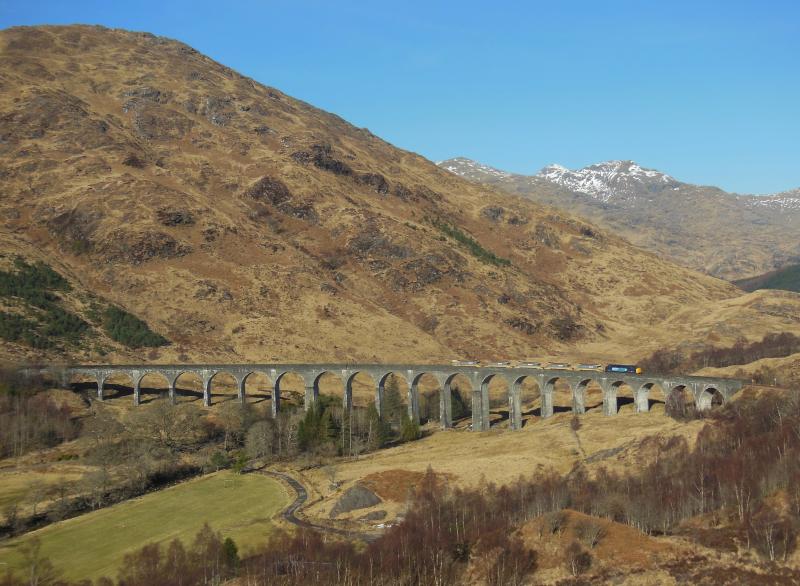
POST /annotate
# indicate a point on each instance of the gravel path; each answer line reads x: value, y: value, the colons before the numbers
x: 289, y: 513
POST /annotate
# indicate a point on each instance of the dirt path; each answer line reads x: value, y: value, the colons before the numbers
x: 289, y: 513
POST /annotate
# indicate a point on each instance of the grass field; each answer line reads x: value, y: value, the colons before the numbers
x: 94, y: 544
x: 14, y: 485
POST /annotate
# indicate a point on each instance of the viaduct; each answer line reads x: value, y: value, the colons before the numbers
x: 703, y: 391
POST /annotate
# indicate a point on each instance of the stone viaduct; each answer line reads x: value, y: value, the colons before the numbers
x: 703, y: 391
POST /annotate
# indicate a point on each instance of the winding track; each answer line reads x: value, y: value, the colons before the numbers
x: 289, y: 513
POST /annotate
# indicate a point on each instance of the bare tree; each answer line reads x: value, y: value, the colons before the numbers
x: 330, y: 473
x: 37, y: 492
x: 170, y: 426
x: 590, y: 532
x: 39, y: 569
x: 578, y: 560
x: 260, y: 439
x: 232, y: 416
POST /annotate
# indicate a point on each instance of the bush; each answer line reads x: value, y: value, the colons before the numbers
x: 129, y: 330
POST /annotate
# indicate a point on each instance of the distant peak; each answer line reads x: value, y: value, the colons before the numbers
x: 471, y: 169
x: 607, y: 180
x: 553, y: 167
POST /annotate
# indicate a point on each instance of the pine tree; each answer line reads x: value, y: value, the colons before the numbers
x: 378, y: 430
x: 393, y: 407
x: 409, y: 430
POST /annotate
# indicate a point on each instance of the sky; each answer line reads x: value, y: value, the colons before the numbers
x: 707, y: 91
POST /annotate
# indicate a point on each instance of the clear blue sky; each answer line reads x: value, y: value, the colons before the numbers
x: 706, y: 91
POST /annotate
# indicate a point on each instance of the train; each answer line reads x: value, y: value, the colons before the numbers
x: 614, y: 368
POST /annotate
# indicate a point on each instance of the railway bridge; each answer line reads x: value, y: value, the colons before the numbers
x: 704, y: 392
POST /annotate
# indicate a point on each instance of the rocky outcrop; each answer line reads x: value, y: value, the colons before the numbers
x: 269, y: 190
x: 170, y: 217
x: 356, y: 497
x: 138, y: 248
x: 321, y: 156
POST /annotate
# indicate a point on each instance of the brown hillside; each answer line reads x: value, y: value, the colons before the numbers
x: 243, y: 224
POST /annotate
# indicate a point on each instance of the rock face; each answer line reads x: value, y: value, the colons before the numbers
x: 726, y: 235
x: 245, y: 225
x: 356, y: 497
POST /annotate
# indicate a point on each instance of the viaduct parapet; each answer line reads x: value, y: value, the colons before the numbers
x: 704, y: 391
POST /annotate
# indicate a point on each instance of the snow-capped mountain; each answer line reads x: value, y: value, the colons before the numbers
x: 610, y: 180
x: 704, y: 227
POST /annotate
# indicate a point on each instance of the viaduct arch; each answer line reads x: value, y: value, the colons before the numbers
x: 703, y: 392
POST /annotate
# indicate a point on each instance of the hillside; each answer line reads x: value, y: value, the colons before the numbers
x: 242, y: 224
x: 727, y: 235
x: 787, y: 278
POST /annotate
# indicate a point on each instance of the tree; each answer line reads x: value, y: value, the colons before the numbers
x: 392, y: 406
x: 170, y: 426
x: 219, y: 460
x: 39, y: 569
x: 96, y: 485
x: 129, y: 330
x: 458, y: 405
x: 233, y: 417
x: 230, y: 555
x: 590, y: 532
x: 316, y: 430
x: 773, y: 535
x: 260, y: 439
x: 330, y: 473
x: 578, y: 560
x: 11, y: 513
x: 409, y: 430
x: 377, y: 429
x: 239, y: 462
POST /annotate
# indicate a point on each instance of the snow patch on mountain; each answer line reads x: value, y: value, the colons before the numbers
x: 786, y: 200
x: 610, y: 180
x: 468, y: 168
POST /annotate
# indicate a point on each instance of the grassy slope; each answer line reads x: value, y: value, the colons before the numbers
x: 94, y: 544
x: 787, y: 278
x: 501, y: 456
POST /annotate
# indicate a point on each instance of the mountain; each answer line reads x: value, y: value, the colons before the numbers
x: 241, y: 224
x: 726, y: 235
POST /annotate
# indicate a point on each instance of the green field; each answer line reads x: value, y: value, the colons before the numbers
x: 94, y: 544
